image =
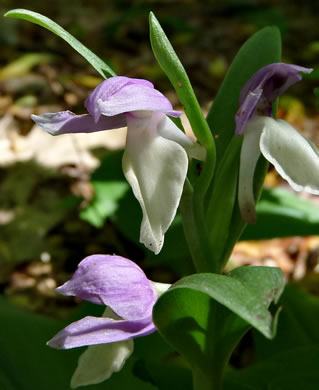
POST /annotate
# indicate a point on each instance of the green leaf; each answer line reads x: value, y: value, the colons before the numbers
x: 290, y: 360
x: 289, y: 370
x: 159, y: 364
x: 105, y: 202
x: 203, y: 316
x: 24, y: 351
x: 246, y: 291
x: 261, y: 49
x: 168, y: 376
x: 47, y: 23
x: 27, y: 363
x: 109, y: 187
x: 281, y: 213
x: 24, y: 64
x: 298, y: 325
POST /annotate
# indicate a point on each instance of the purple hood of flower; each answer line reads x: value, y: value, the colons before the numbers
x: 120, y: 94
x: 263, y: 88
x: 119, y: 284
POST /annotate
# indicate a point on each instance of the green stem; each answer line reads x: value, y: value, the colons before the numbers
x: 195, y: 225
x: 195, y: 231
x: 222, y: 338
x: 203, y: 182
x: 203, y: 381
x: 173, y: 68
x: 221, y: 199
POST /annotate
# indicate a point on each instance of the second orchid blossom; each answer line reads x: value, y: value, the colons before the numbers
x: 120, y: 285
x: 295, y: 158
x: 155, y: 160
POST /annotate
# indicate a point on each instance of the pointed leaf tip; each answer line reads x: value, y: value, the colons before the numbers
x: 50, y: 25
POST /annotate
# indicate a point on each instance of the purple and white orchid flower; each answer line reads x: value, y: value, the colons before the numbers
x: 155, y: 160
x: 295, y: 158
x: 129, y: 297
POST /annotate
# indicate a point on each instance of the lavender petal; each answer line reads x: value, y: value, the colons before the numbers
x: 92, y: 330
x: 112, y: 281
x: 67, y: 122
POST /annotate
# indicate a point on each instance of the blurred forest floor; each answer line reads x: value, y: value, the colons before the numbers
x: 41, y: 243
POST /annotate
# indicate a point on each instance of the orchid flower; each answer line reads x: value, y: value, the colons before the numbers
x: 155, y: 160
x: 129, y: 297
x: 295, y: 158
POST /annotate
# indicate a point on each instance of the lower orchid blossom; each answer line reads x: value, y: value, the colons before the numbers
x: 295, y: 158
x: 155, y: 160
x: 129, y: 297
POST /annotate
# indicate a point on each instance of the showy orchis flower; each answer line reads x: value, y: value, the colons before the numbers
x: 295, y: 158
x: 263, y: 88
x: 155, y: 160
x: 129, y: 297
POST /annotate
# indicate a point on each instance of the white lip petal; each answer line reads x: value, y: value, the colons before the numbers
x: 168, y: 130
x: 98, y: 362
x: 294, y: 158
x: 156, y: 169
x: 249, y: 155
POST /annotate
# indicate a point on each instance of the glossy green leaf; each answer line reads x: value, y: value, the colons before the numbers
x: 203, y: 316
x: 246, y: 291
x: 47, y: 23
x: 261, y: 49
x: 282, y: 213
